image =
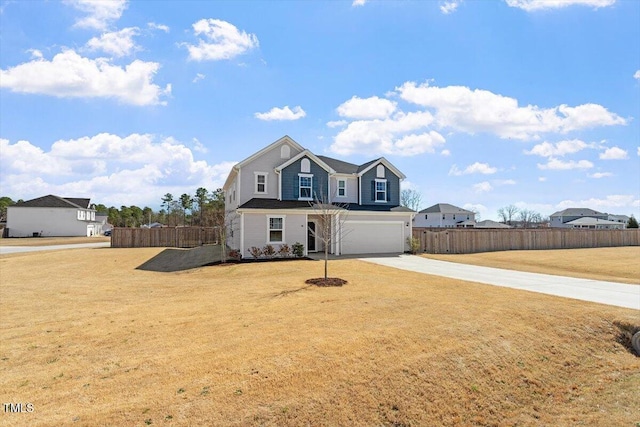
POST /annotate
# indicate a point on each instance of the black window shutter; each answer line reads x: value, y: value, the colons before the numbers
x: 373, y: 191
x: 388, y: 191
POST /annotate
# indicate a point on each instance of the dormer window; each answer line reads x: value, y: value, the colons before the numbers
x: 261, y: 183
x: 305, y: 182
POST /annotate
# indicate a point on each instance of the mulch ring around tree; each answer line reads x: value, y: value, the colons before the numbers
x: 329, y: 281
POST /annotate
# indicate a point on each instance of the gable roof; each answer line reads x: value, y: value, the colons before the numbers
x: 592, y: 221
x: 445, y: 208
x: 237, y: 166
x: 306, y: 153
x: 362, y: 169
x: 51, y: 201
x: 487, y: 223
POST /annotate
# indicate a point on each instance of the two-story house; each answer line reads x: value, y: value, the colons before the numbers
x: 51, y: 215
x: 445, y: 215
x: 273, y: 196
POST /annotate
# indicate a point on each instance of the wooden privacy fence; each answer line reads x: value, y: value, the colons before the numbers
x: 466, y: 241
x: 177, y: 237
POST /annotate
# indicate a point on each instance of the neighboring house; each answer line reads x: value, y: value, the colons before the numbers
x: 563, y: 219
x: 444, y: 215
x: 619, y: 218
x: 53, y: 216
x: 595, y: 223
x: 487, y: 223
x: 270, y: 200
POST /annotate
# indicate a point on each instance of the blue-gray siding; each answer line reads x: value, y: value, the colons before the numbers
x: 290, y: 182
x: 393, y: 188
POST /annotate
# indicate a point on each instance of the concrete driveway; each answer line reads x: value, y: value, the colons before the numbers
x: 19, y: 249
x: 610, y: 293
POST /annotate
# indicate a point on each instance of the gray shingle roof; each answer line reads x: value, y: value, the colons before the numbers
x: 51, y: 201
x: 296, y: 204
x: 339, y: 166
x: 577, y: 212
x: 445, y: 208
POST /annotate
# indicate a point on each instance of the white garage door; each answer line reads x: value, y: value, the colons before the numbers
x: 367, y: 237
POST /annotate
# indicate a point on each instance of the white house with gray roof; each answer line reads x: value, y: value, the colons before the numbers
x: 566, y: 219
x: 270, y: 198
x: 444, y: 215
x: 53, y: 216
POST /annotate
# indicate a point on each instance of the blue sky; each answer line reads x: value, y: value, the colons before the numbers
x: 481, y: 104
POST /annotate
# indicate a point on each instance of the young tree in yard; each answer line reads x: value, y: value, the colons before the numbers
x: 411, y: 199
x: 632, y: 223
x: 4, y: 203
x: 329, y: 230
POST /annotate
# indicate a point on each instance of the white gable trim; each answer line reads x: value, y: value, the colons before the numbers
x: 306, y: 153
x: 387, y: 164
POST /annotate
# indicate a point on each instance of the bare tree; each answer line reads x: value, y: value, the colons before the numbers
x: 507, y: 213
x: 411, y: 199
x: 330, y: 228
x: 526, y: 216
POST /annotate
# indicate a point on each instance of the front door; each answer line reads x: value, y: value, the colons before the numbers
x: 311, y: 236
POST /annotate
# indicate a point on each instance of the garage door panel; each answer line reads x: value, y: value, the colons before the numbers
x: 372, y: 237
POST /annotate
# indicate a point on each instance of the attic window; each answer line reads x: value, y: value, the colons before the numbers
x: 305, y: 166
x: 285, y: 152
x: 380, y: 171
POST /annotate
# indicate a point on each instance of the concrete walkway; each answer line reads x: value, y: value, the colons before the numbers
x: 610, y: 293
x: 19, y: 249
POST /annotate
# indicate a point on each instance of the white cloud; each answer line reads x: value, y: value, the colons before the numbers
x: 136, y: 169
x: 599, y: 175
x: 367, y: 108
x: 472, y: 111
x: 534, y: 5
x: 222, y: 40
x: 284, y: 113
x: 449, y: 6
x: 403, y: 134
x: 118, y: 43
x: 198, y: 77
x: 542, y: 178
x: 68, y: 75
x: 637, y: 75
x: 615, y: 203
x: 556, y: 164
x: 35, y: 53
x: 561, y: 148
x: 358, y: 3
x: 99, y: 14
x: 159, y: 27
x: 482, y: 187
x: 504, y: 182
x: 337, y: 123
x: 477, y: 167
x: 614, y: 153
x: 445, y: 153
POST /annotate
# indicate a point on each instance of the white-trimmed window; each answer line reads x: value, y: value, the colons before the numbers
x: 342, y: 188
x: 275, y: 232
x: 305, y: 183
x: 381, y: 190
x: 261, y: 182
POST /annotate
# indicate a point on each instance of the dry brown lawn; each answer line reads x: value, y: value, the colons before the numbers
x: 620, y: 264
x: 90, y: 341
x: 48, y: 241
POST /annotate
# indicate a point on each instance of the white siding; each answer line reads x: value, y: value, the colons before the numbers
x: 352, y: 190
x: 24, y: 221
x: 256, y: 229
